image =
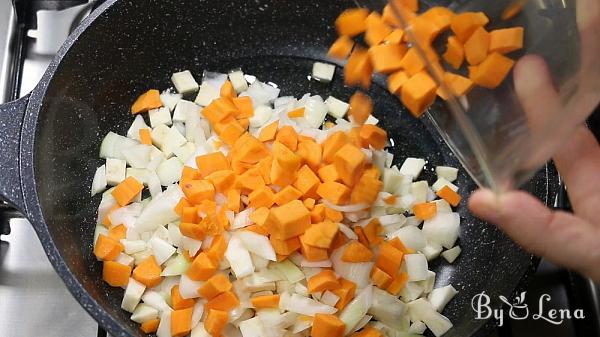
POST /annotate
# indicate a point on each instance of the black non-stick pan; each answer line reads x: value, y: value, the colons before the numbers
x: 50, y: 139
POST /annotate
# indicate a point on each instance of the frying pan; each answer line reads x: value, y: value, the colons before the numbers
x: 50, y: 138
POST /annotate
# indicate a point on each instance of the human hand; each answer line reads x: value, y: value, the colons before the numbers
x: 568, y: 239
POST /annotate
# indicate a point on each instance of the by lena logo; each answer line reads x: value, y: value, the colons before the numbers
x: 519, y: 310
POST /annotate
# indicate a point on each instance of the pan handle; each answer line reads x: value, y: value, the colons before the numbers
x: 11, y: 124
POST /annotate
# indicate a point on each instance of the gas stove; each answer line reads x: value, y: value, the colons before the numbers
x: 35, y: 302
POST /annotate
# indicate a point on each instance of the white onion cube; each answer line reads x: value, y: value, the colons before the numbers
x: 238, y: 82
x: 99, y: 181
x: 160, y: 116
x: 416, y: 266
x: 206, y: 94
x: 184, y: 82
x: 162, y: 249
x: 451, y: 254
x: 447, y: 172
x: 133, y: 295
x: 336, y: 107
x: 412, y: 167
x: 323, y: 72
x: 116, y: 169
x: 169, y: 99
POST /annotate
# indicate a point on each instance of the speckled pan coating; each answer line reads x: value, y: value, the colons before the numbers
x: 126, y: 47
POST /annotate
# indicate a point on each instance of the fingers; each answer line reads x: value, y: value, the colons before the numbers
x: 578, y: 162
x: 558, y: 236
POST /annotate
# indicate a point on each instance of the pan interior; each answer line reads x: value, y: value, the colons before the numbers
x: 134, y: 46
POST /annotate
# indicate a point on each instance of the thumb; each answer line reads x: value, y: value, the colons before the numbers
x: 558, y: 236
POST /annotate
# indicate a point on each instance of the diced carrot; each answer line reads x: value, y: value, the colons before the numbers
x: 387, y: 58
x: 464, y: 24
x: 211, y: 162
x: 288, y: 137
x: 202, y: 268
x: 215, y: 322
x: 334, y: 192
x: 380, y: 278
x: 345, y: 293
x: 310, y: 152
x: 181, y: 205
x: 425, y: 211
x: 197, y: 190
x: 179, y: 302
x: 257, y: 229
x: 190, y: 173
x: 491, y: 72
x: 389, y: 258
x: 251, y: 180
x: 366, y: 190
x: 332, y: 144
x: 285, y: 247
x: 325, y: 325
x: 338, y: 241
x: 259, y: 216
x: 372, y: 231
x: 222, y: 180
x: 389, y: 14
x: 361, y: 107
x: 233, y: 199
x: 215, y: 285
x: 396, y: 36
x: 458, y: 85
x: 506, y: 40
x: 349, y: 161
x: 333, y: 215
x: 373, y: 135
x: 358, y: 69
x: 261, y: 197
x: 265, y: 301
x: 264, y: 167
x: 362, y: 238
x: 477, y: 46
x: 148, y: 100
x: 117, y: 232
x: 288, y: 220
x: 424, y: 30
x: 396, y: 80
x: 150, y: 326
x: 309, y: 203
x: 145, y: 137
x: 341, y: 48
x: 376, y: 29
x: 220, y: 110
x: 455, y: 53
x: 148, y: 272
x: 412, y: 62
x: 368, y: 331
x: 196, y: 231
x: 411, y: 5
x: 325, y: 280
x: 181, y: 322
x: 397, y: 283
x: 227, y: 90
x: 357, y: 252
x: 268, y: 132
x: 329, y: 173
x: 127, y: 190
x: 284, y: 166
x: 217, y: 248
x: 472, y: 70
x: 296, y: 113
x: 513, y: 9
x: 312, y: 253
x: 107, y: 248
x: 397, y: 243
x: 286, y: 195
x: 352, y: 21
x: 391, y: 200
x: 224, y: 301
x: 372, y: 171
x: 317, y: 214
x: 418, y: 93
x: 307, y: 182
x: 244, y: 106
x: 229, y: 132
x: 449, y: 195
x: 441, y: 16
x: 321, y: 234
x: 115, y: 274
x: 249, y: 149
